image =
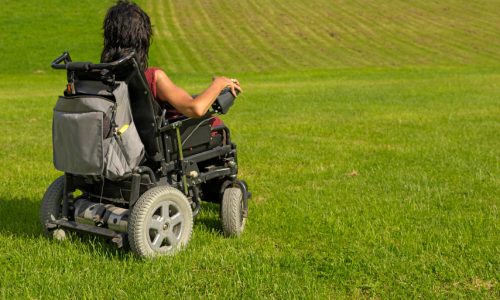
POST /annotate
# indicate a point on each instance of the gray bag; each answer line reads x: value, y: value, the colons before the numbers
x: 93, y: 135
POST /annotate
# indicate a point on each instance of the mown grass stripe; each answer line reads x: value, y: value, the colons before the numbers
x: 266, y: 56
x: 399, y: 36
x: 345, y: 51
x: 170, y: 55
x: 162, y: 54
x: 446, y: 45
x: 185, y: 18
x: 467, y: 13
x: 265, y: 26
x: 452, y: 28
x: 218, y: 47
x: 352, y: 36
x: 188, y: 37
x: 364, y: 34
x: 199, y: 64
x: 400, y: 29
x: 320, y: 45
x: 360, y: 34
x: 287, y: 37
x: 221, y: 35
x: 169, y: 32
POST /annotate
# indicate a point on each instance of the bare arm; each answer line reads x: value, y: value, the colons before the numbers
x: 187, y: 105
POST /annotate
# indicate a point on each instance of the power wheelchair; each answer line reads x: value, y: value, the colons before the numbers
x: 130, y: 174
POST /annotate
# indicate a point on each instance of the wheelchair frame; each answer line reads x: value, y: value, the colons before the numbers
x: 178, y: 153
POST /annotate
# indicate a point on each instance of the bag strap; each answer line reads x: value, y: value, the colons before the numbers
x: 123, y: 114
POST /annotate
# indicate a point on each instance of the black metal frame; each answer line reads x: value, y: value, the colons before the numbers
x: 166, y: 161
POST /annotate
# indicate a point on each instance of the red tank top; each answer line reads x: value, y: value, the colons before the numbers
x: 171, y: 113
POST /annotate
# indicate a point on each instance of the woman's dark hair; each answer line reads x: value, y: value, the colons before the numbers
x: 126, y: 28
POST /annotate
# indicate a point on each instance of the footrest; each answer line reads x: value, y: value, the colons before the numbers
x: 117, y: 238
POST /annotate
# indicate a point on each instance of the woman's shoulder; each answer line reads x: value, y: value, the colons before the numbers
x: 150, y: 75
x: 152, y: 70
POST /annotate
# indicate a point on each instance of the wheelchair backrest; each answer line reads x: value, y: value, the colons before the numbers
x: 106, y: 122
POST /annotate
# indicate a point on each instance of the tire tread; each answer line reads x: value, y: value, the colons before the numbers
x: 138, y: 220
x: 51, y: 203
x: 232, y: 224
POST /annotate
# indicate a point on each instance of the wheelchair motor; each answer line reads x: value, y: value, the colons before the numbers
x: 132, y: 175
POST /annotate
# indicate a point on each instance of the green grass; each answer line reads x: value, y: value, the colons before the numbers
x: 373, y: 176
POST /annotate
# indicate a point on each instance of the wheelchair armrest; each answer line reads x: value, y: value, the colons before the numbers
x: 183, y: 120
x: 224, y: 101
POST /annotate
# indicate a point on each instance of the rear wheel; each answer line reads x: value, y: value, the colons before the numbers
x: 233, y: 212
x: 161, y: 222
x: 50, y: 209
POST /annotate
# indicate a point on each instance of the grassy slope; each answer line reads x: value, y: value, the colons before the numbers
x: 298, y: 35
x: 374, y: 163
x: 259, y: 36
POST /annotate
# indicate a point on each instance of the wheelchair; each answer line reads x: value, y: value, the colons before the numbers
x: 131, y: 175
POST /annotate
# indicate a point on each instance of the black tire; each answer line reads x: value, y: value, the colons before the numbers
x: 161, y: 222
x: 50, y: 209
x: 232, y: 212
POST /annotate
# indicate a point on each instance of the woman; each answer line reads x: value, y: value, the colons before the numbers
x: 128, y: 28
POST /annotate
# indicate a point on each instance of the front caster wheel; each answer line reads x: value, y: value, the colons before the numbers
x: 160, y: 223
x: 233, y: 213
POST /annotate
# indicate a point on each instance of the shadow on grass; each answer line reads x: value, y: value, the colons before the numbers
x: 20, y: 217
x: 209, y: 217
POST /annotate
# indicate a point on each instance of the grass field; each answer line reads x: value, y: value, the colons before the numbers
x: 368, y: 132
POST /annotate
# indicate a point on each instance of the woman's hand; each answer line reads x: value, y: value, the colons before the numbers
x: 233, y: 84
